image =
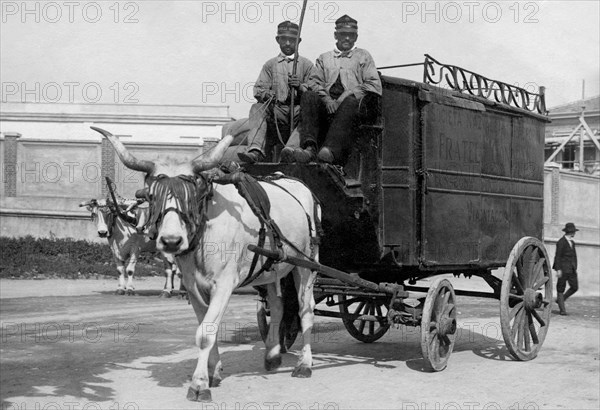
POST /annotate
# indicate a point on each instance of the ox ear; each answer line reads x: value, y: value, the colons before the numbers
x: 128, y: 160
x: 212, y: 158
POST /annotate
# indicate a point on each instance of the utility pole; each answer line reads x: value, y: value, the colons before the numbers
x: 582, y: 132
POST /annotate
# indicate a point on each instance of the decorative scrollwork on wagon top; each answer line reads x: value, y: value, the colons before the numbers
x: 468, y: 82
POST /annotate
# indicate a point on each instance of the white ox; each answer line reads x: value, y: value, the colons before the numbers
x: 126, y: 242
x: 208, y: 226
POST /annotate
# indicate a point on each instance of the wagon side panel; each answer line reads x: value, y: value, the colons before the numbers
x: 527, y: 206
x: 398, y: 220
x: 451, y: 205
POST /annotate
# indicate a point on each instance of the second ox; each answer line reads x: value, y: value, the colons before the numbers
x: 121, y: 227
x: 201, y: 222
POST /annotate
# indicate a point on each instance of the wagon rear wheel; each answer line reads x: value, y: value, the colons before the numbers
x: 438, y: 324
x: 525, y: 299
x: 366, y: 331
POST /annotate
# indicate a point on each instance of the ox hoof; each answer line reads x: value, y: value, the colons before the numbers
x: 195, y: 394
x: 130, y: 292
x: 214, y: 381
x: 302, y: 372
x: 120, y: 292
x: 273, y: 363
x: 183, y: 295
x: 165, y: 294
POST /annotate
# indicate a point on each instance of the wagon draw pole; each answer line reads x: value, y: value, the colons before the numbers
x: 294, y: 68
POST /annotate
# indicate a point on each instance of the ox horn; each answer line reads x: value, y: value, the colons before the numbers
x: 213, y: 157
x: 128, y: 160
x: 87, y: 203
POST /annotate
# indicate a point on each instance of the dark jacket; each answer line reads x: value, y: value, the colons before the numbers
x: 566, y: 257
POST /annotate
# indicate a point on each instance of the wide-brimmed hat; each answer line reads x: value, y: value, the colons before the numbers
x: 570, y: 228
x: 346, y: 24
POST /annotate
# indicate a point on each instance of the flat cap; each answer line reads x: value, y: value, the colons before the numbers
x: 287, y: 28
x: 347, y: 24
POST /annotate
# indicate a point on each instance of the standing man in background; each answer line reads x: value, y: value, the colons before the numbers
x: 270, y: 116
x: 565, y: 264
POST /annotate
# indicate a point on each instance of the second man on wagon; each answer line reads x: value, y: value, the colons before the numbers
x: 270, y: 117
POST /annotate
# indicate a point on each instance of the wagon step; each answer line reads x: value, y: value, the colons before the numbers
x: 387, y: 288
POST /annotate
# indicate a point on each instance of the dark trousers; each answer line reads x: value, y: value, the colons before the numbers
x: 265, y: 121
x: 561, y: 283
x: 338, y: 131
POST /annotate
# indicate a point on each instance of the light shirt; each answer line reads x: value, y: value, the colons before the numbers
x: 274, y: 77
x: 356, y: 69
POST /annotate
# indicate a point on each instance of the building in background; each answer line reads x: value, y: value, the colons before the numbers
x: 52, y: 160
x: 569, y: 133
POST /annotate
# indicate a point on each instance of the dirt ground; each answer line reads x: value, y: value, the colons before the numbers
x: 68, y: 344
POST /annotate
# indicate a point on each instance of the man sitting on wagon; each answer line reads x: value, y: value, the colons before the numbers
x: 270, y: 116
x: 345, y: 92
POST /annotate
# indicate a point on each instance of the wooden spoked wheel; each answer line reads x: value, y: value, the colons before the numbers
x: 366, y: 331
x: 526, y: 299
x: 438, y: 324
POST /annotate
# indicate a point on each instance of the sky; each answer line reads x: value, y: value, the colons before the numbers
x: 210, y: 52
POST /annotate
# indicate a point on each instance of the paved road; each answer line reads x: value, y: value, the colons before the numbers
x: 86, y: 348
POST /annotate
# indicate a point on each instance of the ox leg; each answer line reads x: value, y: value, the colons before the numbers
x: 168, y: 288
x: 121, y: 270
x: 208, y: 369
x: 304, y: 279
x: 130, y: 271
x: 273, y: 348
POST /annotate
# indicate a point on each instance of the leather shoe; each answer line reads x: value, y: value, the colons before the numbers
x: 304, y: 156
x: 325, y: 155
x: 251, y: 157
x: 287, y: 155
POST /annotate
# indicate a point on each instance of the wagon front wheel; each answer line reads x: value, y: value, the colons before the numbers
x: 438, y: 324
x: 525, y: 299
x: 368, y: 317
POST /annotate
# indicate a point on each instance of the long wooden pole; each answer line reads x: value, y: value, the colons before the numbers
x: 295, y: 67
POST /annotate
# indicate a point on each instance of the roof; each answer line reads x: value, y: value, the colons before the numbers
x: 591, y: 104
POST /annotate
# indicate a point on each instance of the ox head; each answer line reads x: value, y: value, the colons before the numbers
x: 101, y: 216
x: 176, y: 193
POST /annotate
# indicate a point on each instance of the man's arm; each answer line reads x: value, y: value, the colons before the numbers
x: 263, y: 87
x: 370, y: 77
x: 560, y: 248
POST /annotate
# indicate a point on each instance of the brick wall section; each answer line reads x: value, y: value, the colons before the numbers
x: 107, y: 166
x: 10, y: 163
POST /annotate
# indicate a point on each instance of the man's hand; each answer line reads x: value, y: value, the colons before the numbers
x: 294, y: 81
x: 559, y: 273
x: 332, y: 106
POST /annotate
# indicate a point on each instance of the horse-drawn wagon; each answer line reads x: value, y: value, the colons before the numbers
x: 449, y: 181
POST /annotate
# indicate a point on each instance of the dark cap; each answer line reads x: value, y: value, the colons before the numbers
x: 570, y: 228
x: 287, y: 28
x: 346, y: 24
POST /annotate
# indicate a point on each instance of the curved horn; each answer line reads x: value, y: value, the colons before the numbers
x: 128, y: 160
x: 214, y: 156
